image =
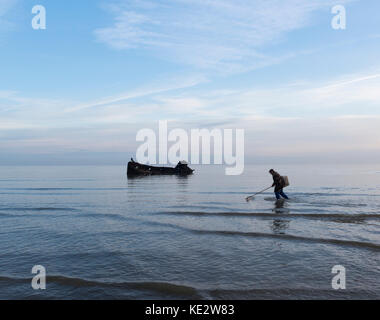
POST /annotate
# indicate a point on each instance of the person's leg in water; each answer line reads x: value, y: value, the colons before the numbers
x: 281, y: 193
x: 278, y: 197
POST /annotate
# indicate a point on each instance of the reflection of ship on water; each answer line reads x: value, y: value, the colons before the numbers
x: 138, y: 186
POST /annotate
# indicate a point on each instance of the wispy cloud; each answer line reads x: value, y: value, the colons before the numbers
x: 339, y: 115
x: 351, y: 94
x: 5, y: 6
x: 165, y: 85
x: 222, y: 35
x: 355, y: 94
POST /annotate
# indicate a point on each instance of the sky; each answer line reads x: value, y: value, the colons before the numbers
x: 79, y: 91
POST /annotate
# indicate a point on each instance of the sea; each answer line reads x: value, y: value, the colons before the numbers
x: 99, y: 235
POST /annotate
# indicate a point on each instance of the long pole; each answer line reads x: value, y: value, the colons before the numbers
x: 250, y: 197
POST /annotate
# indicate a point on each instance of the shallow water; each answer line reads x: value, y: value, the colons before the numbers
x: 102, y: 236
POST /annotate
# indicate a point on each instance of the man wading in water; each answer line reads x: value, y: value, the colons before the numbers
x: 279, y: 184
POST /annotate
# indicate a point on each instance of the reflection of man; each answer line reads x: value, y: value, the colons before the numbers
x: 279, y: 184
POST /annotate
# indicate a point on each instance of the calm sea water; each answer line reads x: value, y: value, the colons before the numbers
x: 102, y: 236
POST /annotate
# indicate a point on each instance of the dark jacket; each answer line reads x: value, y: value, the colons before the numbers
x: 278, y: 182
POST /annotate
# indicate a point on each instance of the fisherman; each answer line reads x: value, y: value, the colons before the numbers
x: 279, y: 184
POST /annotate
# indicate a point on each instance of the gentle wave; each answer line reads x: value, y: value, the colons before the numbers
x: 113, y: 216
x: 191, y: 292
x: 161, y: 287
x: 276, y: 215
x: 6, y: 215
x: 330, y: 194
x: 289, y: 293
x: 208, y: 207
x: 14, y: 280
x: 36, y: 209
x: 336, y: 204
x: 341, y: 242
x: 367, y: 245
x: 62, y: 189
x: 9, y: 215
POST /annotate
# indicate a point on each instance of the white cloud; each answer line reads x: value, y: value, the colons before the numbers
x: 210, y: 34
x: 355, y: 94
x: 341, y: 115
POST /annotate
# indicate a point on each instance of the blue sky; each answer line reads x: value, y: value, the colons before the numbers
x: 104, y: 69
